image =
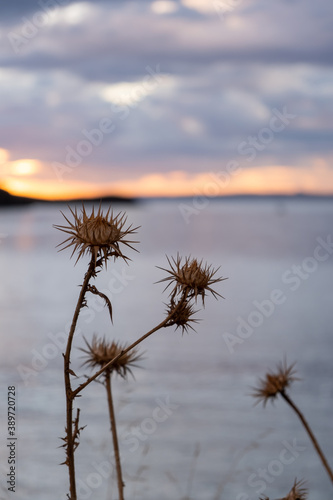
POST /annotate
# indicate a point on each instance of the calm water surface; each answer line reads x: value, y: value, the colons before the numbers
x: 188, y: 426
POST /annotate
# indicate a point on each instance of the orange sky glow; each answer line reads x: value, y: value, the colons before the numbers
x: 31, y: 178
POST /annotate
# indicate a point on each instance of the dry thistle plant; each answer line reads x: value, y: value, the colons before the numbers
x: 98, y: 235
x: 101, y: 237
x: 297, y: 492
x: 277, y: 383
x: 191, y: 278
x: 98, y: 354
x: 181, y: 315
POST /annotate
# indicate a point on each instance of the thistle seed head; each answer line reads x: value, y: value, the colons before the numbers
x: 99, y: 352
x: 275, y: 383
x: 297, y: 492
x: 97, y: 233
x: 182, y: 313
x: 191, y: 277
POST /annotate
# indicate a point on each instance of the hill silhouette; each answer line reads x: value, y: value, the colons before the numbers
x: 7, y: 199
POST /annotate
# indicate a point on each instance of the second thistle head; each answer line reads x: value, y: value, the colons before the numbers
x: 191, y: 277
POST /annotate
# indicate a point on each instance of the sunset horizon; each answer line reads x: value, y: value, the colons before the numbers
x: 196, y: 102
x: 33, y: 179
x: 166, y: 205
x: 45, y: 191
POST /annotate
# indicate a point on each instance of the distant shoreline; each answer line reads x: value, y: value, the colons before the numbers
x: 9, y: 200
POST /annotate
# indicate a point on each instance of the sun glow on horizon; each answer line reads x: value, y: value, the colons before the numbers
x: 34, y: 179
x: 17, y: 168
x: 24, y: 167
x: 46, y: 190
x: 270, y: 180
x: 25, y: 180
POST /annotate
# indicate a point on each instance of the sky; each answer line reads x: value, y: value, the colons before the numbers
x: 166, y: 97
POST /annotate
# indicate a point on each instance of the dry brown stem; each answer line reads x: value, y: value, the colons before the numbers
x: 70, y: 432
x: 101, y: 235
x: 276, y: 383
x: 310, y: 433
x: 114, y: 436
x: 108, y: 365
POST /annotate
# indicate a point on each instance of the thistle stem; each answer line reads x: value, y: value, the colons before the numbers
x: 130, y: 347
x: 310, y: 433
x: 122, y: 353
x: 69, y: 392
x: 114, y: 435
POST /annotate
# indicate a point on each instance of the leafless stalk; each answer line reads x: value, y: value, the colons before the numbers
x: 277, y: 383
x: 310, y: 433
x: 101, y: 236
x: 97, y: 353
x: 114, y: 436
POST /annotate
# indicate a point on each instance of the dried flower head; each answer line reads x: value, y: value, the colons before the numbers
x: 100, y: 352
x: 182, y: 313
x: 192, y: 277
x: 98, y: 233
x: 297, y: 492
x: 275, y: 383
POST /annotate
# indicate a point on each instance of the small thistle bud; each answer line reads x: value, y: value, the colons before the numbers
x: 193, y: 278
x: 297, y: 492
x: 181, y: 315
x: 100, y: 352
x: 98, y: 233
x: 275, y: 383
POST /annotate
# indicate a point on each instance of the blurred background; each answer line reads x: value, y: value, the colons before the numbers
x: 147, y: 98
x: 209, y: 123
x: 209, y: 441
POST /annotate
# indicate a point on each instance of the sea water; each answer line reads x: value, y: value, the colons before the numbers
x: 187, y: 424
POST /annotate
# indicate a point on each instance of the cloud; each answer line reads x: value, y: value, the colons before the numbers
x: 220, y: 79
x: 202, y: 117
x: 246, y: 35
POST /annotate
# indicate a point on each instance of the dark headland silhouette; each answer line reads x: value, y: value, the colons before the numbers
x: 8, y: 200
